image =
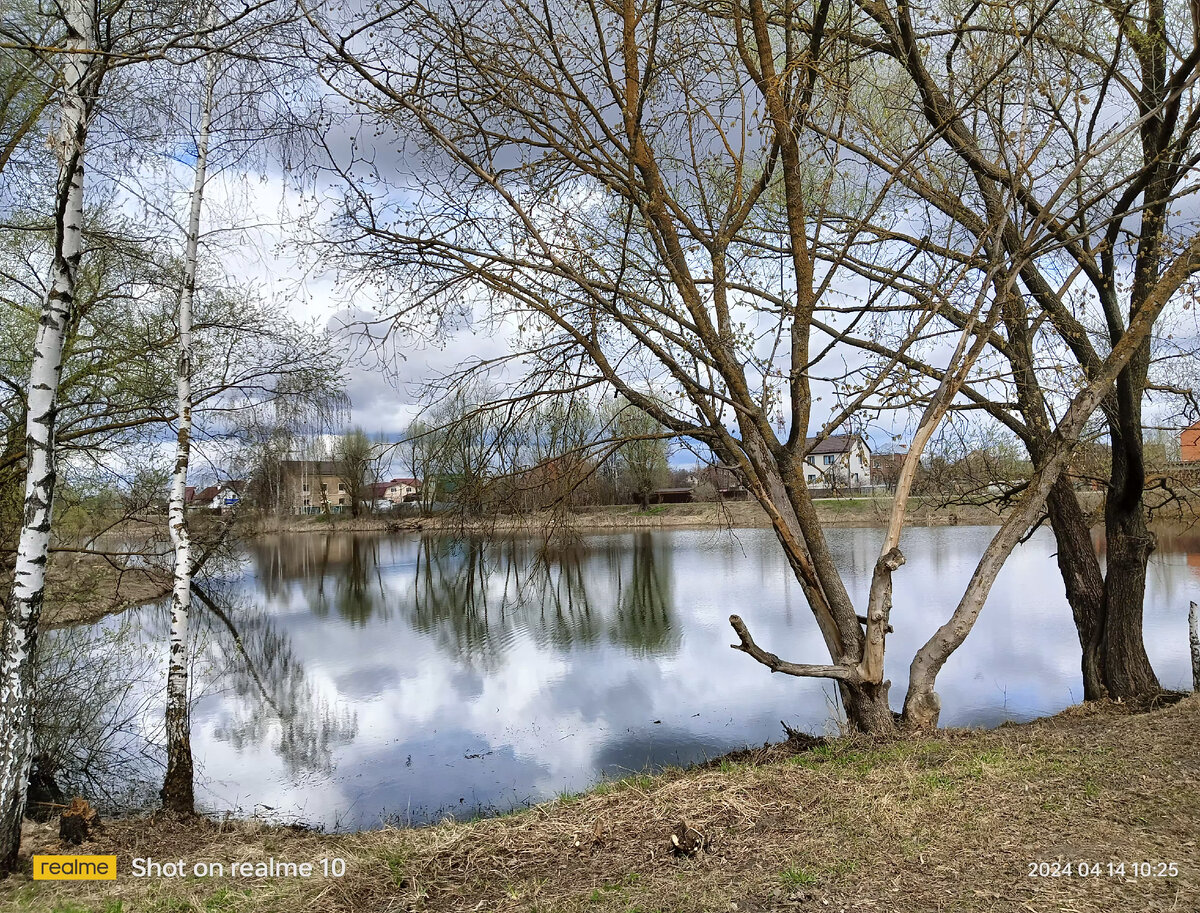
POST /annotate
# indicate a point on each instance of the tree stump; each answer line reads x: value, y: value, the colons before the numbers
x: 686, y: 840
x: 78, y: 822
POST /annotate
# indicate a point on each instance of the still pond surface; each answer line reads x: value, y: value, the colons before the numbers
x: 400, y: 679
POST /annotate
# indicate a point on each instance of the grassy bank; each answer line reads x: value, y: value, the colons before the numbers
x: 948, y: 822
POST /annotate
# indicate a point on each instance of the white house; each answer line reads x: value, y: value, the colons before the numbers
x: 398, y: 490
x: 218, y: 497
x: 839, y: 461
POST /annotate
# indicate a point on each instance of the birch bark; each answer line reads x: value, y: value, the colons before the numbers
x: 178, y: 793
x: 82, y: 72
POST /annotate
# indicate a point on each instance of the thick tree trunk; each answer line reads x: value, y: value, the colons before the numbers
x: 1080, y: 570
x: 867, y: 708
x: 1128, y: 674
x: 1128, y: 543
x: 1077, y: 560
x: 18, y: 639
x: 178, y: 792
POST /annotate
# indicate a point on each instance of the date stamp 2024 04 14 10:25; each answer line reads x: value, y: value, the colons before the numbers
x: 1084, y: 869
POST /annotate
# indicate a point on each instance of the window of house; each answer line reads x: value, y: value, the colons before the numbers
x: 341, y: 486
x: 324, y: 488
x: 307, y: 502
x: 341, y: 501
x: 829, y: 459
x: 304, y: 488
x: 812, y: 477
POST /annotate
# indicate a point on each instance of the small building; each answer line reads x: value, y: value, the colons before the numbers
x: 1189, y: 443
x: 671, y: 496
x: 838, y: 461
x: 224, y: 496
x: 885, y: 468
x: 399, y: 490
x: 311, y: 486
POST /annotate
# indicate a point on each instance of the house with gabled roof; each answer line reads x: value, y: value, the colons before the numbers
x: 837, y: 461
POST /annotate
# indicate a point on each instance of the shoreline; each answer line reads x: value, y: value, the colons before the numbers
x: 704, y: 515
x: 910, y: 823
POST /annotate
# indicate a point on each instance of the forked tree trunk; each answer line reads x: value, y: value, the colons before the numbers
x: 18, y: 639
x: 921, y: 704
x: 178, y: 792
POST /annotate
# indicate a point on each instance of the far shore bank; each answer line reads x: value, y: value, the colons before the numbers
x: 83, y: 588
x: 850, y: 511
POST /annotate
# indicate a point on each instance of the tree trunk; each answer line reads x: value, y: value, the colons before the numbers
x: 1128, y: 674
x: 18, y: 639
x: 778, y: 486
x: 178, y: 792
x: 867, y: 708
x: 1080, y: 570
x: 921, y: 704
x: 1128, y: 542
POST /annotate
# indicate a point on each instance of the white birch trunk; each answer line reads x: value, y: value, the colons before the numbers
x: 18, y: 639
x: 178, y: 791
x: 1194, y: 642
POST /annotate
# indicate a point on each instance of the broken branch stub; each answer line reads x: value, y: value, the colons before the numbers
x: 775, y: 664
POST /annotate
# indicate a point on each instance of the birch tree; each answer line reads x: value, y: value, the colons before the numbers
x: 82, y: 73
x: 177, y: 792
x: 95, y: 39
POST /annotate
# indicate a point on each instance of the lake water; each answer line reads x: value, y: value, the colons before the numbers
x: 400, y: 679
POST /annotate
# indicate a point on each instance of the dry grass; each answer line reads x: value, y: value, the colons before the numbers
x: 949, y: 822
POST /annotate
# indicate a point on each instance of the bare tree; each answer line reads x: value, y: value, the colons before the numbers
x: 1069, y: 133
x: 355, y: 457
x: 643, y: 454
x: 594, y: 182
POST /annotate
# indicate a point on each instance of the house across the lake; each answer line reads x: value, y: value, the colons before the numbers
x: 399, y: 490
x: 311, y: 486
x: 671, y: 496
x: 1189, y: 443
x: 839, y: 461
x: 224, y: 496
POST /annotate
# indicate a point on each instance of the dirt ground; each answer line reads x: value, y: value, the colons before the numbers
x: 958, y: 821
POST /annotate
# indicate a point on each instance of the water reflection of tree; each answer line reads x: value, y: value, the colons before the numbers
x: 337, y: 573
x: 253, y: 658
x: 359, y: 589
x: 472, y: 595
x: 643, y: 621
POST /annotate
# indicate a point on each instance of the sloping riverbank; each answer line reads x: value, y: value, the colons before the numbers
x: 954, y: 821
